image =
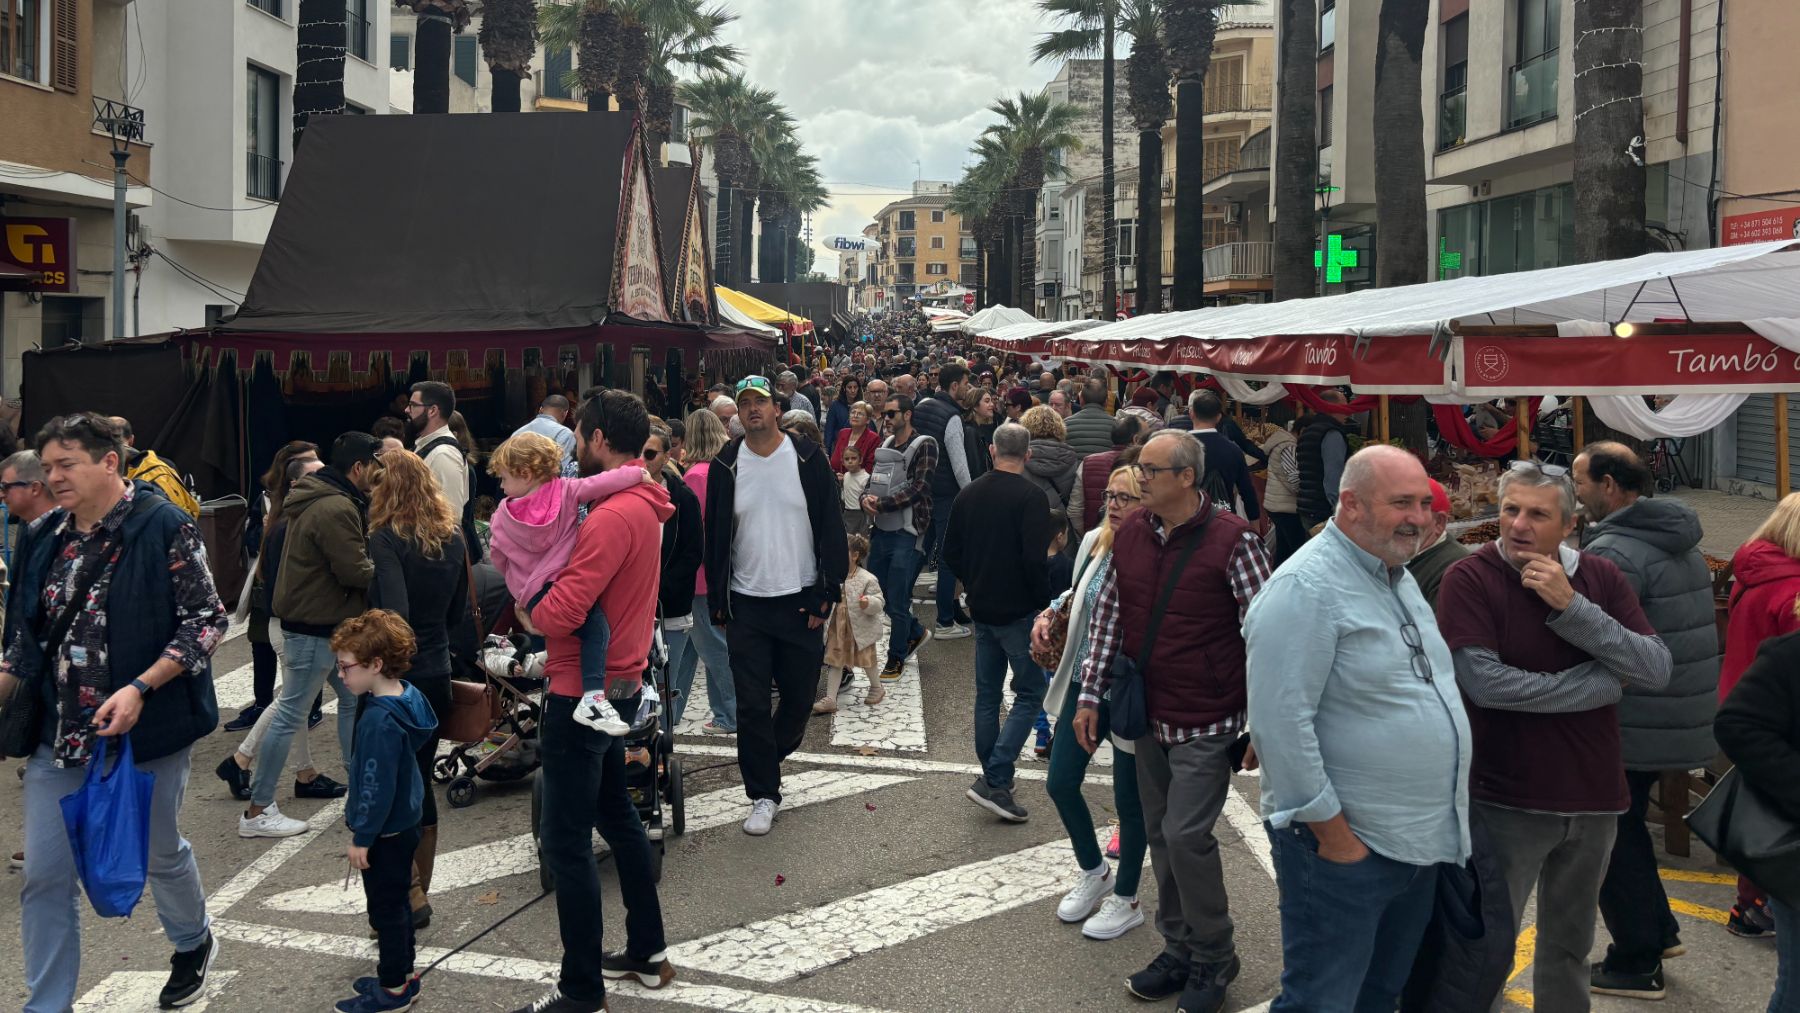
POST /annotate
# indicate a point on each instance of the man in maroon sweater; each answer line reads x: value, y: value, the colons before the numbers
x: 1544, y: 639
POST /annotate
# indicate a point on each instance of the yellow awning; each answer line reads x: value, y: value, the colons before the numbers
x: 761, y: 311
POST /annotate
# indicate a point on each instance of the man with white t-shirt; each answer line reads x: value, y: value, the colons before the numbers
x: 774, y: 567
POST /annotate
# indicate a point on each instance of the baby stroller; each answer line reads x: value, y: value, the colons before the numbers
x: 505, y: 747
x: 653, y: 776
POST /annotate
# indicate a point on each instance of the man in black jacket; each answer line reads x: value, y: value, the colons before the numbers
x: 776, y: 558
x: 1226, y: 472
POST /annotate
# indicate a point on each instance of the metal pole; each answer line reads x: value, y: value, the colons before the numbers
x: 1578, y: 424
x: 118, y: 270
x: 1522, y: 414
x: 1382, y: 416
x: 1782, y: 483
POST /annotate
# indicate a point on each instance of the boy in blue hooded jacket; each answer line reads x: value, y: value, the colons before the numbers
x: 386, y: 795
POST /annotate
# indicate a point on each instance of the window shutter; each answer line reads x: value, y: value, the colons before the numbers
x: 65, y: 31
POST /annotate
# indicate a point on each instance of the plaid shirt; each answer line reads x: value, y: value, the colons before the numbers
x: 916, y: 493
x: 1248, y: 570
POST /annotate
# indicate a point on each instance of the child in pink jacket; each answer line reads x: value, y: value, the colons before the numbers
x: 533, y: 532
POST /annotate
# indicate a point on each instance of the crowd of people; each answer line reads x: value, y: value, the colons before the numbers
x: 1434, y: 724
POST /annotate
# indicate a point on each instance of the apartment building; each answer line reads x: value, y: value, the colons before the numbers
x: 925, y: 247
x: 1082, y: 84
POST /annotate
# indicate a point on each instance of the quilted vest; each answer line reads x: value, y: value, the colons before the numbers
x: 1095, y: 469
x: 1312, y: 499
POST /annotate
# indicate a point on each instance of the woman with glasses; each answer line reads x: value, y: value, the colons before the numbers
x: 1120, y: 911
x: 858, y: 433
x: 681, y: 546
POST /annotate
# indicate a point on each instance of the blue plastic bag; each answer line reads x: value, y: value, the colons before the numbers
x: 108, y: 820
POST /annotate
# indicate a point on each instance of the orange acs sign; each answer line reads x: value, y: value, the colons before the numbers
x: 45, y: 246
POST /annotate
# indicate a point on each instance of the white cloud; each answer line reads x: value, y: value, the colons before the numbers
x: 878, y: 85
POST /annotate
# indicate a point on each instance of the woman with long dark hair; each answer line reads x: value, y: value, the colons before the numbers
x: 837, y: 418
x: 263, y: 512
x: 422, y: 574
x: 978, y: 406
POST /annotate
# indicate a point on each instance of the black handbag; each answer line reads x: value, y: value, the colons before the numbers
x: 1130, y: 706
x: 1755, y: 835
x: 22, y: 717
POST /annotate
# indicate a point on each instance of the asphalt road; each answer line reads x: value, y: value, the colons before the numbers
x: 881, y: 889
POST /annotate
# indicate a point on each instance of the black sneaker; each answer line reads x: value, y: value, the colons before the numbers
x: 245, y: 720
x: 1205, y: 991
x: 654, y: 971
x: 1163, y: 978
x: 554, y: 1001
x: 1751, y: 922
x: 187, y: 974
x: 998, y: 801
x: 1632, y: 986
x: 313, y: 719
x: 845, y: 680
x: 236, y: 778
x: 913, y: 644
x: 319, y: 787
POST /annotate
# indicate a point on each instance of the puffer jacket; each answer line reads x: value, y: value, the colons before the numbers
x: 1764, y: 595
x: 1090, y: 430
x: 1656, y: 545
x: 1280, y: 494
x: 1052, y: 467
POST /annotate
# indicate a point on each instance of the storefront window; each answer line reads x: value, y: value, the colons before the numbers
x: 1520, y: 232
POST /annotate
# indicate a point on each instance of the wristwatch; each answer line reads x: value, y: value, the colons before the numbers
x: 143, y: 688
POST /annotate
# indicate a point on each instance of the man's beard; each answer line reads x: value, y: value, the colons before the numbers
x: 415, y: 427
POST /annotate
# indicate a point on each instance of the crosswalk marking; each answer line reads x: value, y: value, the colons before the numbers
x: 517, y: 855
x: 138, y: 991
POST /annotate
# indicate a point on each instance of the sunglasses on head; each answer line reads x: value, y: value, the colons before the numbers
x: 1551, y: 470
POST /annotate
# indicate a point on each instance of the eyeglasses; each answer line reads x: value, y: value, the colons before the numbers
x: 1145, y: 471
x: 415, y: 404
x: 16, y: 485
x: 1421, y: 665
x: 892, y: 413
x: 1120, y: 497
x: 1527, y: 467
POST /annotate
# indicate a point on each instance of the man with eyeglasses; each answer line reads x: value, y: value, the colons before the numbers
x: 1363, y: 742
x: 1202, y: 565
x: 27, y: 493
x: 1544, y: 639
x: 428, y: 412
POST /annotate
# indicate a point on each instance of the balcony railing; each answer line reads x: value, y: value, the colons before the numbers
x: 1239, y: 261
x: 1238, y: 98
x: 1533, y: 92
x: 262, y: 176
x: 267, y: 6
x: 357, y: 32
x: 1453, y: 109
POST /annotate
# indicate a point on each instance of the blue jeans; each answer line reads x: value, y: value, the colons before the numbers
x: 946, y: 580
x: 895, y: 561
x: 310, y: 664
x: 1786, y: 998
x: 50, y: 902
x: 997, y: 647
x: 584, y: 789
x: 1349, y: 933
x: 595, y: 635
x: 705, y: 642
x: 675, y: 643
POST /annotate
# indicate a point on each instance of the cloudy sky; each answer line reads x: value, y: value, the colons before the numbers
x: 878, y: 85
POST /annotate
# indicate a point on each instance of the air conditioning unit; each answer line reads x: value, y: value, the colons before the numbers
x: 1087, y: 295
x: 1234, y: 212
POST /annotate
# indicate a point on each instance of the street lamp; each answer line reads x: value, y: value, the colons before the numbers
x: 123, y: 124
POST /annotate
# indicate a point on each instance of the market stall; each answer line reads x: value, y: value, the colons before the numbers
x: 996, y: 317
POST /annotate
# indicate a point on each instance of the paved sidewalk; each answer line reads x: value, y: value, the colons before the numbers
x: 1728, y: 521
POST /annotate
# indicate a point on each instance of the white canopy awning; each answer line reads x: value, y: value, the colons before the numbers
x: 731, y: 316
x: 1035, y: 330
x: 995, y: 317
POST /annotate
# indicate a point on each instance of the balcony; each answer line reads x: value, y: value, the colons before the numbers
x: 1453, y: 109
x: 1532, y: 96
x: 1239, y: 266
x: 1237, y: 98
x: 262, y: 176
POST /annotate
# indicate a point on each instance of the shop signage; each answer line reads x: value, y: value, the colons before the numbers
x: 1391, y: 365
x: 42, y: 245
x: 694, y: 288
x: 640, y: 282
x: 1760, y: 226
x: 1664, y: 363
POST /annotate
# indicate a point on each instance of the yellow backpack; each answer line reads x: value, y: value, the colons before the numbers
x: 157, y: 472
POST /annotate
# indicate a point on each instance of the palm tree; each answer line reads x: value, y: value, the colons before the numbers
x: 508, y: 39
x: 1400, y: 257
x: 591, y: 28
x: 1147, y: 100
x: 1609, y: 130
x: 1189, y: 28
x: 976, y: 199
x: 1037, y: 131
x: 768, y: 124
x: 727, y: 113
x: 1297, y: 149
x: 780, y: 170
x: 683, y: 33
x: 437, y: 21
x: 319, y: 62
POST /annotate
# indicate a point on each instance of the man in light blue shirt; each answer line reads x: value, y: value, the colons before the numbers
x: 550, y: 421
x: 1358, y: 725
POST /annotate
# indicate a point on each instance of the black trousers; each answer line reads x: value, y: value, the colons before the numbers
x: 265, y: 665
x: 385, y: 885
x: 1632, y: 900
x: 773, y: 650
x: 436, y: 691
x: 1290, y: 534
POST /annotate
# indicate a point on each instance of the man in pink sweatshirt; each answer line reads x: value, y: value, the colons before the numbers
x: 615, y: 566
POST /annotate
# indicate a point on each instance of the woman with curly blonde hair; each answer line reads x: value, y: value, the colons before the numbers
x: 421, y: 575
x: 1053, y: 465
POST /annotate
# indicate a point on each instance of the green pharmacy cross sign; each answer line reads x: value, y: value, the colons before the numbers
x: 1334, y: 258
x: 1448, y: 259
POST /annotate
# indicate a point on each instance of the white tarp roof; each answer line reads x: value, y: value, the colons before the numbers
x: 1035, y: 328
x: 995, y: 317
x: 731, y: 316
x: 1731, y: 283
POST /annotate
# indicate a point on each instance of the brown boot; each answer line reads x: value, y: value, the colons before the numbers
x: 424, y: 860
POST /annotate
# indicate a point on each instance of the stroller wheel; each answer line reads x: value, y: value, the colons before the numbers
x: 444, y: 770
x: 677, y: 796
x: 462, y: 793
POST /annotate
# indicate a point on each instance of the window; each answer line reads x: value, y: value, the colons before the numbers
x: 678, y: 125
x: 1539, y: 24
x: 69, y: 320
x: 262, y: 163
x: 970, y: 276
x: 1325, y: 117
x: 466, y: 56
x: 267, y: 6
x: 966, y: 248
x: 908, y: 221
x: 1327, y: 24
x: 557, y: 64
x: 1052, y: 254
x: 906, y: 273
x: 357, y: 27
x: 937, y: 218
x: 1533, y: 79
x: 1127, y: 242
x: 1214, y: 232
x: 399, y: 52
x: 1453, y: 103
x: 1056, y: 212
x: 937, y: 269
x: 25, y: 40
x: 937, y: 242
x: 217, y: 312
x: 1520, y: 232
x: 909, y: 247
x: 1220, y: 156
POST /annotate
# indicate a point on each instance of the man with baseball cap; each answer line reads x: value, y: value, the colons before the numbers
x: 775, y: 558
x: 1440, y: 549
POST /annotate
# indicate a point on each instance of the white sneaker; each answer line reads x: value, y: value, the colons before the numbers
x: 598, y: 713
x: 762, y: 816
x: 270, y: 823
x: 1116, y: 917
x: 1079, y: 902
x: 929, y: 580
x: 954, y: 631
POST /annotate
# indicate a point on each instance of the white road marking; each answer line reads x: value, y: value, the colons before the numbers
x: 1033, y: 772
x: 1249, y: 825
x: 488, y: 965
x: 896, y: 723
x: 698, y: 710
x: 807, y: 941
x: 137, y: 992
x: 252, y: 875
x: 516, y: 856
